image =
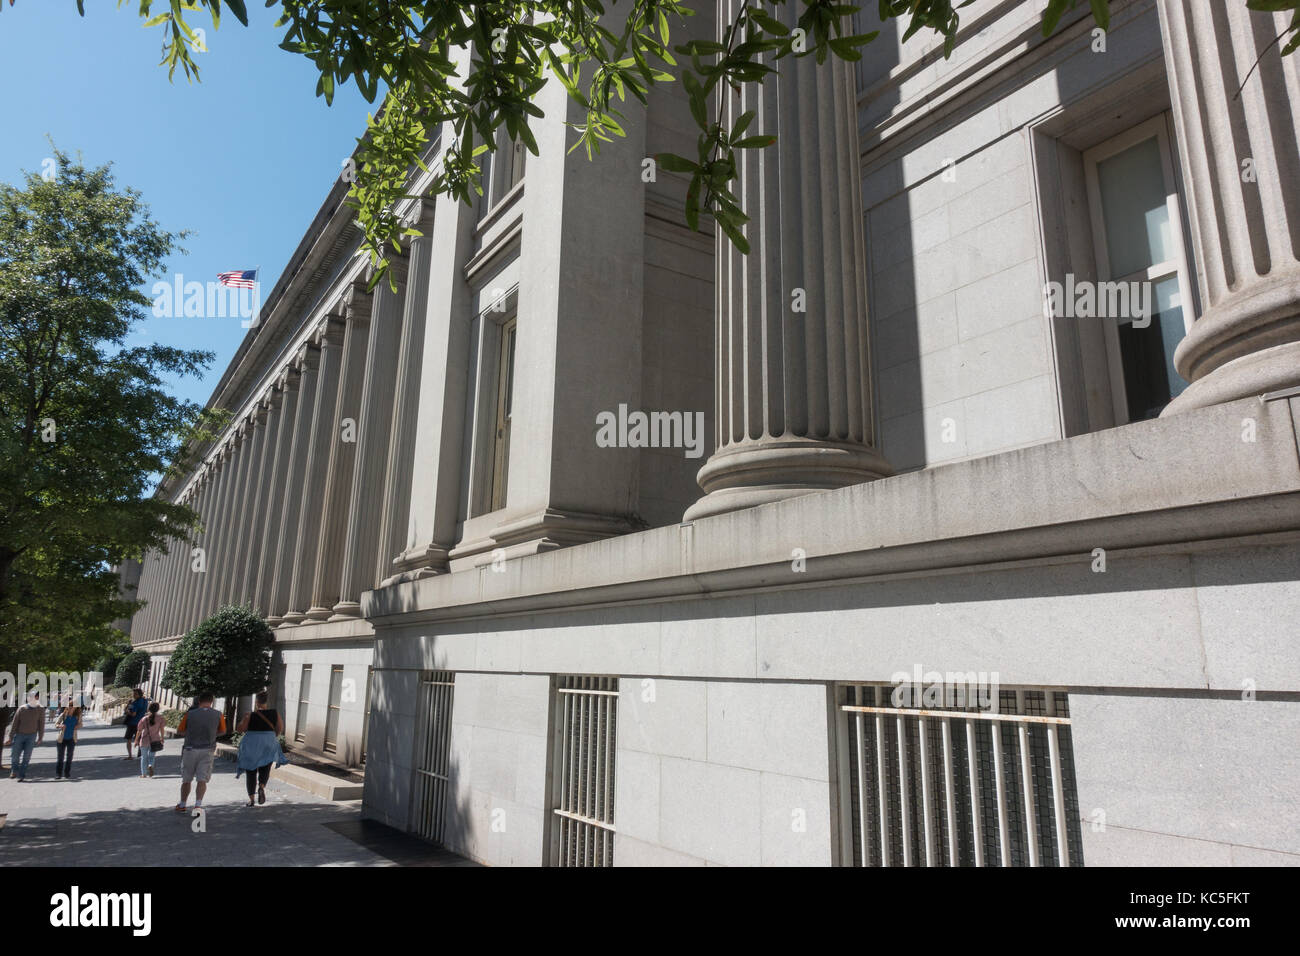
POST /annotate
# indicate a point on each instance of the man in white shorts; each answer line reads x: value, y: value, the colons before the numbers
x: 200, y: 727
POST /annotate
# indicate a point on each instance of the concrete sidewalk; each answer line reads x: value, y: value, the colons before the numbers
x: 106, y: 815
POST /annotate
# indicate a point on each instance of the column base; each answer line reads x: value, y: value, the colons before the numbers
x: 1250, y: 376
x: 757, y: 473
x: 273, y: 621
x: 318, y: 613
x: 421, y: 562
x: 293, y: 619
x: 346, y: 611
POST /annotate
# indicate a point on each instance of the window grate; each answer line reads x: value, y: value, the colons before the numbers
x: 586, y: 715
x: 433, y: 755
x: 953, y: 786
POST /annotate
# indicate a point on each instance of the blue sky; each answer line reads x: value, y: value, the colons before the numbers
x: 243, y: 158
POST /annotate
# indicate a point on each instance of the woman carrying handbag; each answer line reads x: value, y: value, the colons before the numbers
x: 259, y: 747
x: 149, y: 739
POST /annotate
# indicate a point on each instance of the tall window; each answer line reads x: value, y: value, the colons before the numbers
x: 332, y: 713
x: 433, y: 755
x: 504, y: 401
x: 365, y: 720
x: 1137, y: 234
x: 304, y: 701
x: 505, y: 168
x: 582, y: 803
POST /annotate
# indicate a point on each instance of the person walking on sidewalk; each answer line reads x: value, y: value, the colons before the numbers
x: 149, y: 739
x: 259, y: 747
x: 26, y: 732
x: 201, y: 726
x: 134, y: 711
x: 66, y: 743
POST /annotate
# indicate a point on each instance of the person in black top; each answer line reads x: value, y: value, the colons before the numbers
x: 262, y: 720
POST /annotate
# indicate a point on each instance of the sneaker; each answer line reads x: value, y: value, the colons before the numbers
x: 13, y: 774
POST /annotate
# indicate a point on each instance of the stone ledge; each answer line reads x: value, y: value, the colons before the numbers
x: 313, y: 781
x: 1187, y: 478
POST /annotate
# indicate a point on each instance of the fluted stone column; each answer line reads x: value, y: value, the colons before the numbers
x: 143, y: 622
x: 277, y: 491
x: 193, y: 580
x: 307, y: 364
x: 354, y: 306
x: 393, y: 528
x: 170, y: 597
x: 442, y: 406
x: 1245, y: 228
x: 793, y: 405
x: 328, y: 339
x: 374, y: 433
x: 272, y: 405
x: 249, y: 501
x: 240, y: 435
x: 223, y: 463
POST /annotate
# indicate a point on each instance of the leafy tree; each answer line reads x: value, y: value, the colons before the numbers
x: 132, y: 669
x: 85, y: 419
x: 228, y: 654
x: 406, y: 50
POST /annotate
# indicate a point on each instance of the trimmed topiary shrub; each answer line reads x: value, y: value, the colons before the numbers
x: 228, y: 655
x: 132, y: 669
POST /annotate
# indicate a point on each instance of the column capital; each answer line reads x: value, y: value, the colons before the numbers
x: 307, y: 359
x: 272, y: 398
x: 289, y: 378
x: 353, y: 303
x: 329, y: 332
x: 399, y: 264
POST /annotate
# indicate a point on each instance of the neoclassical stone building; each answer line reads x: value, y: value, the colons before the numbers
x: 1005, y: 397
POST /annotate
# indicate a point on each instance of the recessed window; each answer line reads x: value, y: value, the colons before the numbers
x: 365, y: 720
x: 304, y: 701
x: 1137, y: 235
x: 504, y: 401
x: 332, y: 713
x: 504, y: 169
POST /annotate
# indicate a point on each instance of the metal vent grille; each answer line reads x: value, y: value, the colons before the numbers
x: 953, y: 786
x: 433, y: 755
x: 582, y: 824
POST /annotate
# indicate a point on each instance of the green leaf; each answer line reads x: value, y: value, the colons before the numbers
x: 676, y: 164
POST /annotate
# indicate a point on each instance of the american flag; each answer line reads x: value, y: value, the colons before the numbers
x: 240, y: 280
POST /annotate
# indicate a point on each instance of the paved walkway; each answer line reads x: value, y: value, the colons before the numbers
x: 107, y: 816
